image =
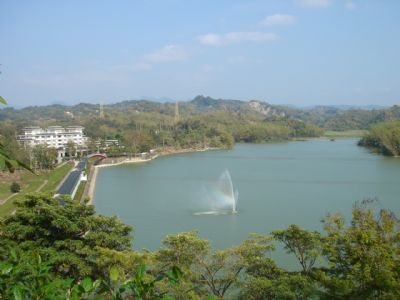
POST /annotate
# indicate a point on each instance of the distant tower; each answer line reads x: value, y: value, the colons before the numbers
x: 176, y: 112
x: 101, y: 114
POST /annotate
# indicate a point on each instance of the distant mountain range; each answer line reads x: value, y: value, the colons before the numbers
x: 339, y: 117
x: 345, y: 107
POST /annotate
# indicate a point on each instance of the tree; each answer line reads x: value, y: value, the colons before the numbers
x: 66, y: 234
x: 27, y: 276
x: 215, y: 272
x: 363, y: 258
x: 7, y: 160
x: 92, y: 146
x: 44, y: 156
x: 225, y: 270
x: 278, y: 284
x: 15, y: 187
x: 265, y: 280
x: 305, y: 245
x: 71, y: 148
x: 384, y: 137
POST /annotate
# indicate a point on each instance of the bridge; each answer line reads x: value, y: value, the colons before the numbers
x: 99, y: 155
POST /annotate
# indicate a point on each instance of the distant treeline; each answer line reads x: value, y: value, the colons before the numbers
x: 203, y: 122
x: 327, y: 117
x: 142, y: 125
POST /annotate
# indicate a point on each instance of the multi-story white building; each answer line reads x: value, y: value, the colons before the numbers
x: 54, y: 136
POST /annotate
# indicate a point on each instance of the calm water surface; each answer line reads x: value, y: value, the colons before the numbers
x: 278, y: 184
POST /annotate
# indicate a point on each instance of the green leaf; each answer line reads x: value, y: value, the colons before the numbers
x: 18, y: 294
x: 5, y: 268
x: 140, y: 272
x: 114, y: 273
x: 3, y: 101
x: 87, y: 284
x: 177, y: 273
x: 13, y: 254
x: 96, y: 284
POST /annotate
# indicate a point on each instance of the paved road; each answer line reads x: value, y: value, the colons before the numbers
x: 72, y: 180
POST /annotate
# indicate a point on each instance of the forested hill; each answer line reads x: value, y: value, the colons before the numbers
x: 327, y: 117
x: 198, y: 105
x: 335, y: 118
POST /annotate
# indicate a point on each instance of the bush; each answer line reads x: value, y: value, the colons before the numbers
x: 15, y: 187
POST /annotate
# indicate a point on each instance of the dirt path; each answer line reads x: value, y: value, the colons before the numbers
x: 2, y: 202
x: 42, y: 185
x: 8, y: 198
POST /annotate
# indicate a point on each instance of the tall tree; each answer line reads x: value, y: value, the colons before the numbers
x: 44, y: 157
x: 69, y: 235
x: 305, y: 245
x: 7, y: 160
x: 71, y: 148
x: 363, y: 258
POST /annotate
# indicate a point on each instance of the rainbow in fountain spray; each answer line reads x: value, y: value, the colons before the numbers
x: 221, y: 197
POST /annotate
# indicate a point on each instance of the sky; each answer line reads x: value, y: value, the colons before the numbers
x: 296, y: 52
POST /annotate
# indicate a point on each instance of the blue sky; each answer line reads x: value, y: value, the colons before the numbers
x: 299, y: 52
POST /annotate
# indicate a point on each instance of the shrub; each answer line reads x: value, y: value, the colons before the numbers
x: 15, y: 187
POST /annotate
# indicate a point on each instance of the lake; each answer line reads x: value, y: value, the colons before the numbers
x: 278, y: 184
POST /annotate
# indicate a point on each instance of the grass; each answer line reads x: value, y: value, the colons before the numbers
x: 82, y: 184
x: 346, y: 133
x: 56, y: 177
x: 26, y: 180
x: 30, y: 183
x: 5, y: 190
x: 79, y: 192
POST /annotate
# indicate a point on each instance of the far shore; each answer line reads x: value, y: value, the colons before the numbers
x: 115, y: 161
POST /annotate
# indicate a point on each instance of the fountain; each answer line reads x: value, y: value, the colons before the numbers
x: 220, y: 197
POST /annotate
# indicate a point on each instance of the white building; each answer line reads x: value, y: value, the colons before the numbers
x: 54, y: 136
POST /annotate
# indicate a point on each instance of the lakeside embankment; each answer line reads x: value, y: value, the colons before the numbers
x: 115, y: 161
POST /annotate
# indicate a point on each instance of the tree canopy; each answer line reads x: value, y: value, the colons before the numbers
x: 57, y: 248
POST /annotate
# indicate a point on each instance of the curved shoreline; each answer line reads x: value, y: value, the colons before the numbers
x: 92, y: 181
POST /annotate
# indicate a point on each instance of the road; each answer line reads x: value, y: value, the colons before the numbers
x: 67, y: 188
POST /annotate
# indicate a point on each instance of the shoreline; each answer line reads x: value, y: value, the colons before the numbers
x: 136, y: 160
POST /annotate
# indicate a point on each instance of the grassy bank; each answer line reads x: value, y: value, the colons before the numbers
x: 344, y: 134
x: 79, y: 191
x: 43, y: 182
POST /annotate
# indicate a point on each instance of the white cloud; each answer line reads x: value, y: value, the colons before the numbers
x: 168, y: 53
x: 315, y: 3
x: 210, y: 39
x: 249, y: 36
x: 214, y: 39
x: 278, y: 20
x: 350, y: 5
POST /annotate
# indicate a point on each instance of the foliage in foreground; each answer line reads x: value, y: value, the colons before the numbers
x: 60, y: 249
x: 8, y: 160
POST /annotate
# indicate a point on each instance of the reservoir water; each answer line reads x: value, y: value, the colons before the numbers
x: 278, y: 185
